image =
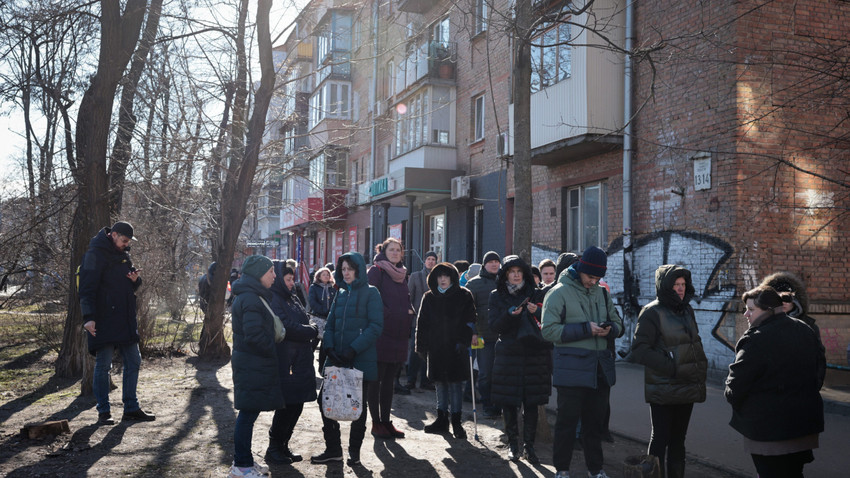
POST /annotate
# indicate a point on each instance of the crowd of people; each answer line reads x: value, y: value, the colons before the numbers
x: 529, y: 329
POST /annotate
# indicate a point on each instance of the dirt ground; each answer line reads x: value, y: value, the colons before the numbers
x: 193, y: 435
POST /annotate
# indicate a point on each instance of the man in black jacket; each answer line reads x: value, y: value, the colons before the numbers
x: 481, y: 286
x: 108, y: 283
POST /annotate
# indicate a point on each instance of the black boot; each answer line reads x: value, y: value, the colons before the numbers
x: 333, y: 445
x: 529, y: 432
x: 457, y: 426
x: 355, y: 441
x: 292, y: 456
x: 675, y: 469
x: 440, y: 425
x: 512, y: 430
x: 275, y: 454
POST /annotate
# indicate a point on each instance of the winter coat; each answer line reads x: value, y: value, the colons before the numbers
x: 521, y: 374
x: 774, y: 382
x: 444, y: 328
x: 481, y: 286
x: 295, y: 352
x: 321, y: 296
x: 568, y: 310
x: 256, y: 382
x: 107, y: 296
x: 398, y: 321
x: 417, y: 285
x: 667, y: 342
x: 356, y: 319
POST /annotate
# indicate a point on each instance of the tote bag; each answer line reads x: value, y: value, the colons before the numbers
x: 342, y: 393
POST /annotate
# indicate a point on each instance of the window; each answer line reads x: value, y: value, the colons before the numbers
x: 480, y: 16
x: 550, y: 57
x: 328, y: 170
x: 585, y: 218
x: 424, y: 118
x: 389, y: 87
x: 331, y: 100
x: 478, y: 118
x: 436, y: 234
x: 440, y: 31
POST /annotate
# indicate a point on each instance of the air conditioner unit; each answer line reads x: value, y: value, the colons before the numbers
x: 460, y: 187
x: 351, y: 199
x: 503, y: 146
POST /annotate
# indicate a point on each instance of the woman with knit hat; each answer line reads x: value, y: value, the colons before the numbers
x: 773, y: 387
x: 256, y: 383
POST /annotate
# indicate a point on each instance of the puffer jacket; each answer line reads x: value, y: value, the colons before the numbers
x: 256, y: 382
x: 356, y: 319
x: 521, y: 374
x: 107, y: 296
x: 295, y: 352
x: 320, y: 297
x: 774, y: 382
x: 481, y: 286
x: 667, y: 342
x: 444, y: 327
x: 398, y: 320
x: 568, y: 309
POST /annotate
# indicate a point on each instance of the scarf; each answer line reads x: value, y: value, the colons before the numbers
x: 443, y: 291
x: 515, y: 289
x: 397, y: 274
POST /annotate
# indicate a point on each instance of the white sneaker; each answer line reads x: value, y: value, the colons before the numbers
x: 601, y: 474
x: 562, y: 474
x: 244, y: 472
x: 264, y: 470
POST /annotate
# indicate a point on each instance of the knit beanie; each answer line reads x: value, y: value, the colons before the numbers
x: 593, y: 262
x: 256, y: 266
x: 491, y: 256
x: 565, y: 260
x: 430, y: 254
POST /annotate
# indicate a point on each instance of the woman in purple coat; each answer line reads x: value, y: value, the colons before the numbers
x: 389, y: 275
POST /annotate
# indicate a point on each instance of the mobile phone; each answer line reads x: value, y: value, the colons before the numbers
x: 522, y: 304
x: 606, y: 325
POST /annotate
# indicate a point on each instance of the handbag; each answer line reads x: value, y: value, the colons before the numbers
x: 319, y: 322
x: 279, y: 330
x: 529, y: 331
x: 342, y: 393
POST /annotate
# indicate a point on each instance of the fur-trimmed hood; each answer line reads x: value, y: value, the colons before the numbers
x: 789, y: 282
x: 443, y: 268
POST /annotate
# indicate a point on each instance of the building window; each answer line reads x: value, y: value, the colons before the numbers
x: 478, y: 233
x: 424, y: 118
x: 331, y: 100
x: 441, y: 30
x: 437, y: 234
x: 550, y: 57
x: 478, y: 118
x: 390, y: 79
x: 480, y: 16
x: 329, y: 170
x: 585, y: 218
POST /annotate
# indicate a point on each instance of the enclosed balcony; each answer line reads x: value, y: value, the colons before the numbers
x: 416, y: 6
x: 432, y: 60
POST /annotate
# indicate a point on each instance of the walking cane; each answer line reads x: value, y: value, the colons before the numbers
x: 478, y: 346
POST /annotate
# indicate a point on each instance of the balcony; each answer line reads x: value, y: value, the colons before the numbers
x: 329, y: 206
x: 416, y: 6
x: 433, y: 60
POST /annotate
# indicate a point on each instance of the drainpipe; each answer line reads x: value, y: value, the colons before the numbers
x: 628, y: 248
x: 373, y: 137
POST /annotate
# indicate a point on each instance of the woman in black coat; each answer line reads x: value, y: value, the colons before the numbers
x: 443, y: 335
x: 522, y: 372
x: 774, y: 387
x: 295, y: 364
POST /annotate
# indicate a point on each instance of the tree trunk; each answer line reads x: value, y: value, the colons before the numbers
x: 240, y: 177
x: 523, y: 203
x: 119, y: 34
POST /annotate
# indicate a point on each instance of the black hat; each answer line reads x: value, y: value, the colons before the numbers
x: 430, y: 254
x: 565, y: 260
x: 491, y: 256
x: 593, y: 262
x: 123, y: 228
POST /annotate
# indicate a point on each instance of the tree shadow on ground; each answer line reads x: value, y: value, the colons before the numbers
x: 54, y: 384
x: 78, y: 456
x: 390, y: 452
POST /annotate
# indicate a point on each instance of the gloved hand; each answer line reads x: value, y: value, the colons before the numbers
x: 348, y: 357
x: 333, y: 358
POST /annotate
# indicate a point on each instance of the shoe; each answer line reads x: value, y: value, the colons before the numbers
x: 562, y: 474
x: 607, y: 437
x: 139, y: 415
x: 401, y: 389
x: 440, y: 425
x: 395, y: 432
x: 105, y: 419
x: 531, y: 455
x: 244, y: 472
x: 353, y: 459
x: 379, y: 430
x: 274, y: 454
x: 263, y: 470
x: 457, y: 426
x: 513, y: 452
x: 601, y: 474
x: 288, y: 453
x: 327, y: 456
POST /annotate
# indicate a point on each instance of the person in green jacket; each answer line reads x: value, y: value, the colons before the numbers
x: 667, y: 342
x: 256, y: 383
x: 578, y: 317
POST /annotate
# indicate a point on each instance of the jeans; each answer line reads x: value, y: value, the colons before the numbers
x: 669, y: 427
x: 449, y: 393
x: 589, y: 405
x: 242, y: 434
x: 132, y: 359
x: 416, y: 367
x: 486, y: 356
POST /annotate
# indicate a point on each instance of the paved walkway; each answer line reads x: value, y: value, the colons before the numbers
x: 711, y: 439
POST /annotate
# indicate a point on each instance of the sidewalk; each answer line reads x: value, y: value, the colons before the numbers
x: 710, y: 438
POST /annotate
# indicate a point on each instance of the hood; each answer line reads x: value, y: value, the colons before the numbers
x: 102, y: 241
x: 278, y: 286
x: 789, y: 282
x: 361, y: 279
x: 443, y: 268
x: 502, y: 277
x: 665, y: 277
x: 473, y: 270
x: 211, y: 269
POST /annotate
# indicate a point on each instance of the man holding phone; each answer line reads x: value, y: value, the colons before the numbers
x: 578, y: 317
x: 107, y: 291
